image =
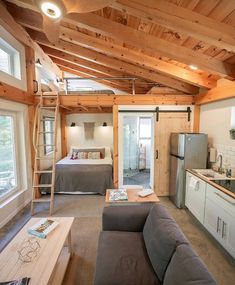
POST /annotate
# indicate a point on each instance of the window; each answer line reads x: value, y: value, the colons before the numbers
x: 145, y: 128
x: 9, y: 59
x: 8, y: 174
x: 48, y: 127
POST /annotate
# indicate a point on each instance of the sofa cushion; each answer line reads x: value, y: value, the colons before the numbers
x: 122, y: 259
x: 186, y: 268
x: 161, y: 236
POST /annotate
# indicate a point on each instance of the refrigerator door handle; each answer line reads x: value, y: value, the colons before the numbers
x: 156, y: 154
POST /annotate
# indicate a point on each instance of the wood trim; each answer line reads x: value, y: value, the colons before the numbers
x: 30, y: 69
x: 14, y: 94
x: 196, y: 119
x: 63, y: 134
x: 8, y: 23
x: 113, y: 63
x: 115, y: 146
x: 110, y: 100
x: 180, y: 19
x: 216, y: 94
x: 148, y: 42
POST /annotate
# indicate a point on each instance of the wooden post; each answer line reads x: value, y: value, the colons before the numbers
x: 63, y: 134
x: 196, y: 121
x: 115, y: 146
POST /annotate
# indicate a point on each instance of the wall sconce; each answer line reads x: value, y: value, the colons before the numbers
x: 73, y: 124
x: 104, y: 124
x: 38, y: 63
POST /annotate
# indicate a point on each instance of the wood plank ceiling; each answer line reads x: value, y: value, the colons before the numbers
x: 153, y: 41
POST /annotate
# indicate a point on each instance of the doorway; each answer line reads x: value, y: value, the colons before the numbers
x: 136, y: 163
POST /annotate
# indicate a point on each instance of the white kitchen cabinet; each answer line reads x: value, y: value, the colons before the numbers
x: 220, y: 217
x: 195, y: 196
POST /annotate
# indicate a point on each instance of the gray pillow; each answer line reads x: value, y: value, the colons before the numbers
x: 186, y: 268
x: 101, y: 150
x: 161, y: 236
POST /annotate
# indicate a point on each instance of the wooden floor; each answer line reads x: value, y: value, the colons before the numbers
x: 87, y: 210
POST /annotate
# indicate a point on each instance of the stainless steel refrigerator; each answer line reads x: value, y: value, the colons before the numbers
x: 187, y: 151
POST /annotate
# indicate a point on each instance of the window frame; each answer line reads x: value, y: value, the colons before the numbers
x: 45, y: 117
x: 15, y: 154
x: 144, y: 138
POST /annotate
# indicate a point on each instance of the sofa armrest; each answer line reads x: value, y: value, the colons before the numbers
x: 129, y: 218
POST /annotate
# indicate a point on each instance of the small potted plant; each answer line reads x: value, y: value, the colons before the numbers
x: 232, y: 134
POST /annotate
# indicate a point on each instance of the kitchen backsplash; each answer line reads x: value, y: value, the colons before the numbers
x: 228, y: 154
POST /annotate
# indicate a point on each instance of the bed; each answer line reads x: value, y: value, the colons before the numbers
x: 76, y: 176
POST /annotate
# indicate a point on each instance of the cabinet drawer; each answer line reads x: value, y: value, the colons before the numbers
x: 221, y: 199
x: 195, y: 196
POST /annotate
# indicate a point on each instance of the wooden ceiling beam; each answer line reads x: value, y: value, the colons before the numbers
x: 137, y: 58
x: 8, y: 22
x: 114, y: 63
x: 14, y: 94
x: 123, y: 99
x: 90, y: 73
x: 117, y: 51
x: 181, y: 20
x: 223, y: 92
x: 106, y: 83
x: 149, y: 43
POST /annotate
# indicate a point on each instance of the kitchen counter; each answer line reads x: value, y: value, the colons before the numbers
x: 210, y: 181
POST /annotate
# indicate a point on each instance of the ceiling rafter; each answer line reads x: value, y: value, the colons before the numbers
x: 120, y: 52
x: 181, y: 20
x: 150, y: 43
x: 102, y: 59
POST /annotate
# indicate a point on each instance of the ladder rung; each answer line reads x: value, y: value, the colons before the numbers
x: 49, y: 96
x: 41, y: 200
x: 42, y: 185
x: 44, y: 107
x: 46, y: 132
x: 45, y: 158
x: 48, y: 119
x: 43, y: 171
x: 46, y: 145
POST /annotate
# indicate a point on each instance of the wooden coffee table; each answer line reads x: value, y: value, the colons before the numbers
x: 49, y: 265
x: 133, y: 198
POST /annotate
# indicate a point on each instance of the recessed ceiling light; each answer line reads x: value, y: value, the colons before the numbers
x: 193, y: 67
x: 51, y: 10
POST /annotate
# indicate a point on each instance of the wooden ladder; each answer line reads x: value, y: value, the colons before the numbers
x: 38, y: 132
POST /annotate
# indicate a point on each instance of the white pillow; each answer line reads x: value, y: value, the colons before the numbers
x: 107, y: 149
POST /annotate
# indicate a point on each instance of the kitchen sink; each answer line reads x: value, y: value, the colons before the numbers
x: 210, y: 174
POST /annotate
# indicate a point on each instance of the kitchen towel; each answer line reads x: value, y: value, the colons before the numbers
x: 193, y: 182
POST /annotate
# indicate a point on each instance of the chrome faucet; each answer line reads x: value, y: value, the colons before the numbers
x: 220, y: 169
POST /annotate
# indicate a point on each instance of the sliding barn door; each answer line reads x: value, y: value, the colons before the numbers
x: 167, y: 124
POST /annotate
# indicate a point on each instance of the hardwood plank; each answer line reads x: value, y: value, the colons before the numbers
x: 115, y: 64
x: 115, y: 146
x: 196, y: 119
x: 63, y: 134
x: 177, y: 18
x: 14, y: 94
x: 216, y: 94
x: 7, y: 22
x: 122, y: 99
x: 148, y: 42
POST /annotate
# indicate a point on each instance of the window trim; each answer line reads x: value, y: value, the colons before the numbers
x: 16, y: 154
x: 44, y: 135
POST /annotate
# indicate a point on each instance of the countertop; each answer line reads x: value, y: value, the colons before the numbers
x: 212, y: 183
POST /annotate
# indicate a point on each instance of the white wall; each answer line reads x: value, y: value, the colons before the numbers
x: 10, y: 206
x: 215, y: 120
x: 103, y: 136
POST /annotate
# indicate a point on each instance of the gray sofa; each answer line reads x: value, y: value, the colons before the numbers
x: 143, y: 245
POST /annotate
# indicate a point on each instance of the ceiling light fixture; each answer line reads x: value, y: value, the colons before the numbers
x: 73, y: 124
x: 193, y: 67
x: 104, y: 124
x: 51, y: 10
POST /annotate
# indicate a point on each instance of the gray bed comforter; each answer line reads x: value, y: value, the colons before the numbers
x: 80, y: 178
